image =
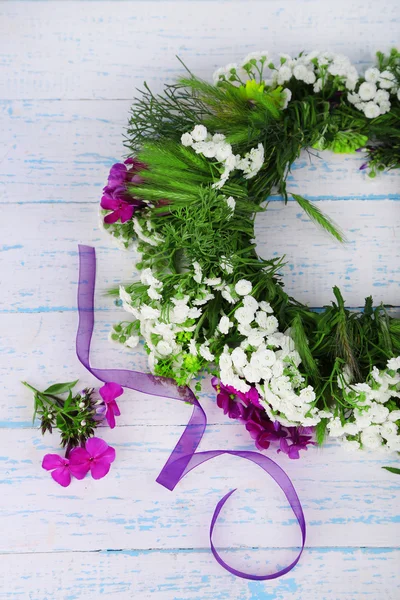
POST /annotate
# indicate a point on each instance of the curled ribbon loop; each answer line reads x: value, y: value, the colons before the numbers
x: 184, y: 457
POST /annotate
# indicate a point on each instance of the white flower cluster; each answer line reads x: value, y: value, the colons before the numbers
x: 162, y: 322
x: 216, y: 146
x: 372, y: 425
x: 266, y: 360
x: 373, y: 95
x: 160, y: 332
x: 313, y: 68
x: 317, y: 69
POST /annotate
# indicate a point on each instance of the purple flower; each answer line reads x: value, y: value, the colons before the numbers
x: 116, y: 197
x: 247, y: 408
x: 109, y: 392
x: 95, y: 457
x: 265, y: 432
x: 300, y: 438
x: 59, y: 466
x: 121, y: 210
x: 233, y: 402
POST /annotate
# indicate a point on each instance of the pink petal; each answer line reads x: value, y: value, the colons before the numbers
x: 62, y: 476
x: 112, y: 217
x: 109, y: 203
x: 53, y: 461
x: 96, y: 446
x: 110, y: 417
x: 126, y: 212
x: 284, y: 446
x: 108, y: 455
x: 109, y: 391
x: 115, y: 408
x: 99, y: 468
x: 79, y: 463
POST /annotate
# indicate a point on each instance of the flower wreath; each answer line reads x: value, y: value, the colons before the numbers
x: 203, y: 159
x: 206, y: 158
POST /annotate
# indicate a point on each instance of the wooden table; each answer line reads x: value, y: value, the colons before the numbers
x: 68, y: 73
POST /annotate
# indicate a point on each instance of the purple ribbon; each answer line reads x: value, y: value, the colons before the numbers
x: 184, y: 457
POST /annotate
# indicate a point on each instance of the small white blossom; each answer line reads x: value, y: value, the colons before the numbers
x: 371, y: 438
x: 243, y: 287
x: 132, y: 341
x: 226, y: 265
x: 287, y: 96
x: 367, y: 91
x: 387, y: 80
x: 394, y: 363
x: 205, y: 352
x: 224, y: 325
x: 372, y: 75
x: 198, y: 273
x: 186, y: 140
x: 164, y: 348
x: 231, y: 203
x: 199, y: 133
x: 371, y: 110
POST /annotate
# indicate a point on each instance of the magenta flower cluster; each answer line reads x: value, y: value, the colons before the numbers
x: 116, y: 197
x: 96, y: 456
x: 247, y: 408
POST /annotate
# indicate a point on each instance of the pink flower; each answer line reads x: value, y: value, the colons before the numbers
x: 121, y: 209
x: 109, y: 392
x: 60, y: 468
x: 95, y: 457
x: 116, y: 196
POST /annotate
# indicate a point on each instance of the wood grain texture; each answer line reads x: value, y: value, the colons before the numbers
x: 128, y: 509
x: 69, y: 72
x: 106, y: 49
x: 340, y: 573
x: 368, y: 263
x: 60, y: 151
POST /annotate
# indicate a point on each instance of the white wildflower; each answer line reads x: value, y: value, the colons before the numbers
x: 284, y: 74
x: 244, y: 315
x: 205, y: 352
x: 387, y: 80
x: 186, y: 139
x: 226, y: 265
x: 372, y: 75
x: 371, y: 438
x: 394, y: 363
x: 367, y: 91
x: 164, y: 348
x: 199, y: 133
x: 213, y: 281
x: 231, y: 203
x: 132, y: 341
x: 198, y: 273
x: 148, y: 312
x: 287, y: 96
x: 224, y: 325
x: 243, y: 287
x: 266, y: 307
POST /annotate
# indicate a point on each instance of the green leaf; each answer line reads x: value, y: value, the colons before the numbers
x: 60, y: 388
x: 392, y: 470
x: 318, y: 217
x: 68, y: 401
x: 320, y: 431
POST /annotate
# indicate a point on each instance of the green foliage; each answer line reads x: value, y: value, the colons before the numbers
x: 194, y: 223
x: 318, y: 217
x: 392, y: 470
